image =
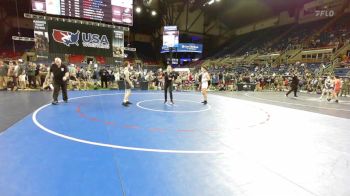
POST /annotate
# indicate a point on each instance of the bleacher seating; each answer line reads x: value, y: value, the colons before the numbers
x: 20, y: 46
x: 294, y: 36
x: 342, y: 72
x: 336, y: 35
x: 145, y: 51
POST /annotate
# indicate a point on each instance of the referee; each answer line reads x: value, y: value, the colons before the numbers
x: 60, y: 75
x: 294, y: 86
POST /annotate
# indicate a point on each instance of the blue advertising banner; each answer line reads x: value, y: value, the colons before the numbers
x: 185, y: 47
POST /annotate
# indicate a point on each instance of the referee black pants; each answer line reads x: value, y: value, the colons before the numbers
x: 57, y: 86
x: 293, y: 89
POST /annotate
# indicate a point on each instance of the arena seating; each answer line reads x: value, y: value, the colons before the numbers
x: 342, y: 72
x: 297, y: 35
x: 145, y: 51
x: 19, y: 45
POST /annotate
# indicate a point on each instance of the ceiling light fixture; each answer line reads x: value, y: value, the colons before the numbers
x: 153, y: 13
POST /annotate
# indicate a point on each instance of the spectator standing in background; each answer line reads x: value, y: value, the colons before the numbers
x: 117, y: 76
x: 37, y: 74
x: 221, y: 77
x: 31, y: 74
x: 88, y: 75
x: 48, y: 81
x: 42, y: 73
x: 20, y: 66
x: 13, y: 75
x: 345, y: 87
x: 95, y: 73
x: 111, y: 78
x: 22, y: 80
x: 73, y: 79
x: 104, y: 75
x: 3, y: 75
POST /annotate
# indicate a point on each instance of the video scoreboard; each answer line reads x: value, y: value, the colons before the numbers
x: 117, y: 11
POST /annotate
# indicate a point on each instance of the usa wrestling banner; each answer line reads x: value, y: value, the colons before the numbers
x: 73, y: 38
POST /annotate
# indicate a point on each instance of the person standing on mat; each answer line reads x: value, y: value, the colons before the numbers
x: 60, y: 75
x: 329, y: 86
x: 205, y: 78
x: 128, y: 84
x: 337, y: 88
x: 169, y: 77
x: 294, y: 86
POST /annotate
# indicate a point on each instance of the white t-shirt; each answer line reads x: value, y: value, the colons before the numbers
x: 328, y: 84
x: 205, y: 77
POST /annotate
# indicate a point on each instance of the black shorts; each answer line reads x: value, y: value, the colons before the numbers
x: 127, y: 85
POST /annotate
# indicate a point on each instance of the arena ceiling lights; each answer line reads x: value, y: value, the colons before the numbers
x: 208, y: 3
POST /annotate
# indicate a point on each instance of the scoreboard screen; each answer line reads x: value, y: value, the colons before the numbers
x: 117, y: 11
x: 170, y: 36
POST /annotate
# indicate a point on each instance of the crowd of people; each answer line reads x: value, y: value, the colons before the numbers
x: 275, y: 79
x: 19, y: 75
x: 261, y: 77
x: 15, y: 75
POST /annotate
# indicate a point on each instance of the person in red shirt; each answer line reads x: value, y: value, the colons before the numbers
x: 337, y: 88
